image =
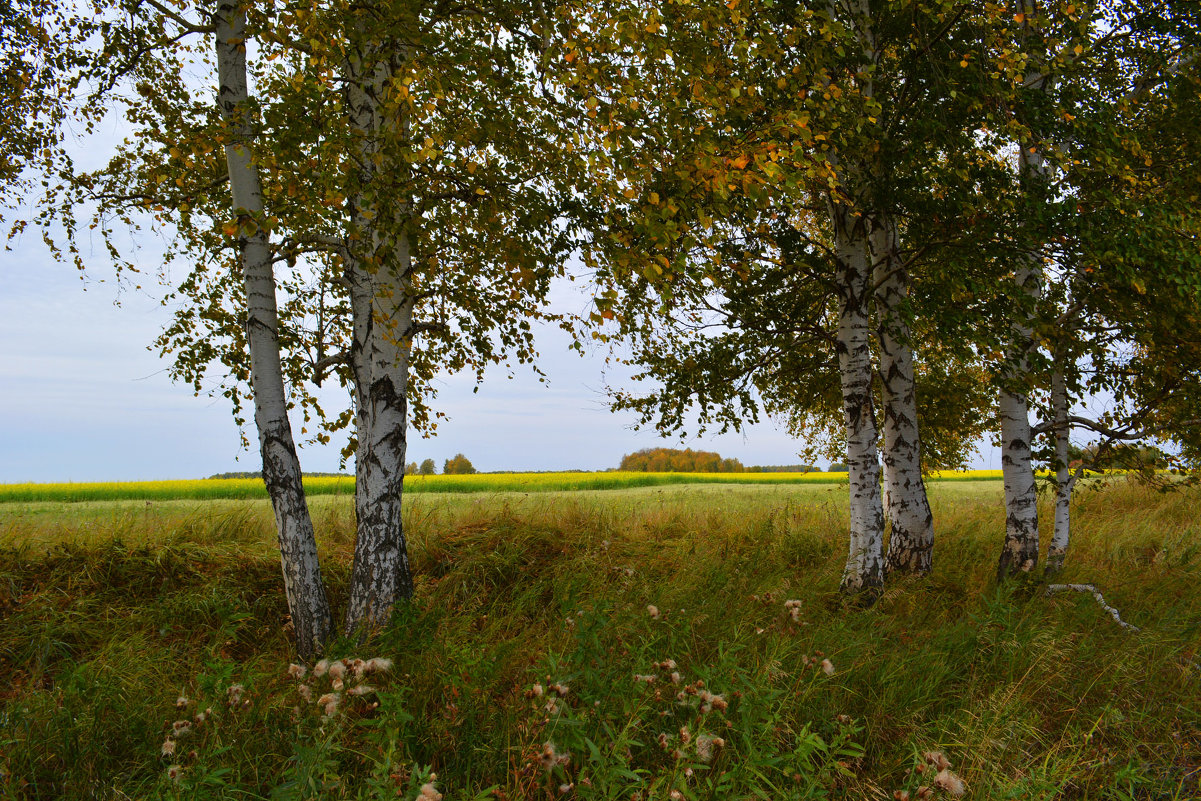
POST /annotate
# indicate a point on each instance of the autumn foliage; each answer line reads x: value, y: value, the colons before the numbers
x: 673, y: 460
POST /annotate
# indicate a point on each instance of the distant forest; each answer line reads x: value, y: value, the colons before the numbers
x: 259, y: 474
x: 673, y: 460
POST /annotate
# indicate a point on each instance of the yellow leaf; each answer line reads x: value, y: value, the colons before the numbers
x: 1019, y: 17
x: 654, y: 198
x: 742, y: 161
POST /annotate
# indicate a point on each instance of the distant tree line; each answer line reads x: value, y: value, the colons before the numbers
x: 456, y: 465
x: 673, y: 460
x: 783, y: 468
x: 259, y: 474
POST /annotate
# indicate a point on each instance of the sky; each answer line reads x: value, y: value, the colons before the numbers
x: 82, y: 398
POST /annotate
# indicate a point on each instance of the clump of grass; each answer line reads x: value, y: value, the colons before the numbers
x: 529, y: 666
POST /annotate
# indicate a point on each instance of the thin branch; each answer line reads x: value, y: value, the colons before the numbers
x: 1052, y: 589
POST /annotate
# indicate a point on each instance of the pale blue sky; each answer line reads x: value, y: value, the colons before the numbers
x: 82, y: 399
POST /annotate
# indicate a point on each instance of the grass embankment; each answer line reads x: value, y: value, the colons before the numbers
x: 252, y: 488
x: 1029, y: 697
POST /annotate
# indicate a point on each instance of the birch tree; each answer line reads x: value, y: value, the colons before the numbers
x: 303, y: 585
x: 415, y: 205
x: 1063, y: 57
x: 778, y: 140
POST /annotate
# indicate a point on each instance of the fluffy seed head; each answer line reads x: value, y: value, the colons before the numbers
x: 379, y: 664
x: 297, y: 671
x: 827, y: 667
x: 653, y: 611
x: 948, y: 781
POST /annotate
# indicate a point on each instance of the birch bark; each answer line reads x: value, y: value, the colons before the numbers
x: 864, y: 568
x: 382, y: 303
x: 1020, y: 552
x: 303, y: 585
x: 911, y: 541
x: 1065, y: 480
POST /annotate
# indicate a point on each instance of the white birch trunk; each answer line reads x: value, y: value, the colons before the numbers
x: 864, y: 571
x: 382, y: 304
x: 1065, y: 481
x: 1020, y: 552
x: 307, y: 601
x: 911, y: 541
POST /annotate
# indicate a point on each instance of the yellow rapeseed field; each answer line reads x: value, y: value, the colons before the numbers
x: 235, y: 488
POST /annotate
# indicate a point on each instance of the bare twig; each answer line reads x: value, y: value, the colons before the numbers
x: 1052, y: 589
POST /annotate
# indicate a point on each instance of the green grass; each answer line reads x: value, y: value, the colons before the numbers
x: 111, y: 610
x: 252, y: 488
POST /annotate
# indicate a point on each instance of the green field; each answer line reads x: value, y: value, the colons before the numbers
x: 110, y: 610
x: 251, y: 488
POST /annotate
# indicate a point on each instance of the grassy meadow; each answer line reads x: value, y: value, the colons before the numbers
x: 633, y: 643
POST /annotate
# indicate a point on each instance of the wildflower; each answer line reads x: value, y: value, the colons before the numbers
x: 653, y: 611
x: 337, y: 684
x: 663, y: 739
x: 378, y: 665
x: 675, y: 677
x: 181, y: 727
x: 356, y: 666
x: 707, y: 746
x: 666, y: 664
x: 924, y: 792
x: 685, y: 735
x: 234, y: 694
x: 305, y: 691
x: 168, y: 747
x: 320, y: 668
x: 429, y: 793
x: 794, y: 610
x: 174, y: 772
x: 362, y: 689
x: 560, y: 689
x: 182, y: 702
x: 937, y: 759
x: 844, y: 719
x: 337, y: 670
x: 900, y: 795
x: 201, y: 717
x: 688, y: 773
x: 297, y: 671
x: 676, y: 795
x: 827, y: 667
x: 647, y: 677
x: 946, y: 780
x: 677, y: 755
x: 551, y: 756
x: 566, y: 788
x: 329, y: 702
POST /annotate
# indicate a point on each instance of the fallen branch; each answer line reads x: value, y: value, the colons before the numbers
x: 1089, y: 588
